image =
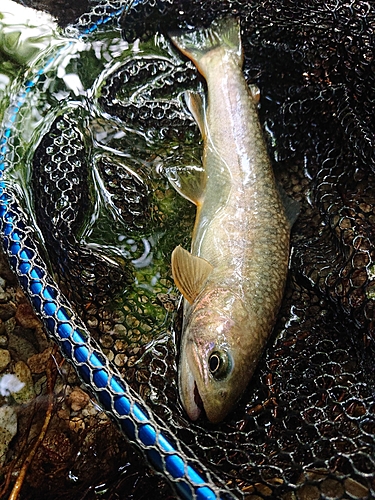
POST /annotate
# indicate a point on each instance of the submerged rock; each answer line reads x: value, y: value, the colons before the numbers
x: 4, y: 359
x: 27, y: 393
x: 8, y: 429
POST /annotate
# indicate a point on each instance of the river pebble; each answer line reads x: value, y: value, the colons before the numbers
x: 4, y: 359
x: 7, y: 311
x: 8, y: 429
x: 27, y: 393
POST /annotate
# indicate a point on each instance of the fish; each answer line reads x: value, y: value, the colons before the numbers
x: 233, y: 278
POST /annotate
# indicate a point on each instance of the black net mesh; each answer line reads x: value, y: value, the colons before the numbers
x: 305, y: 427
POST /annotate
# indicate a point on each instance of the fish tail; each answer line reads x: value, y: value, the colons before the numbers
x: 223, y: 33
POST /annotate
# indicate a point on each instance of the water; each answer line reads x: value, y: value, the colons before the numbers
x: 126, y: 147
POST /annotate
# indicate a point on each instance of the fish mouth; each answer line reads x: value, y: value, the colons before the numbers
x: 197, y: 399
x: 193, y: 402
x: 191, y: 383
x: 189, y: 392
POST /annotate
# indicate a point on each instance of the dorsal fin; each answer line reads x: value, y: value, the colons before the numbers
x: 189, y: 272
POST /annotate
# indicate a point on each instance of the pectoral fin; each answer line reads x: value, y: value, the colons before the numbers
x: 189, y: 181
x: 189, y: 273
x: 197, y: 107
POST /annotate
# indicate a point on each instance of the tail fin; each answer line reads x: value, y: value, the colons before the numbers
x: 224, y: 33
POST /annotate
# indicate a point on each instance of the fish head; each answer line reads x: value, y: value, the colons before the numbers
x: 214, y: 367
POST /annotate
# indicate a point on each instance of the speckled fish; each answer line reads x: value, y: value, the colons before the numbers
x: 233, y: 279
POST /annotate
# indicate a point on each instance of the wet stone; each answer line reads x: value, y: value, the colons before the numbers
x: 26, y: 317
x: 332, y: 488
x: 21, y: 346
x: 77, y: 424
x: 263, y: 489
x: 27, y: 393
x: 78, y: 399
x: 10, y: 325
x: 4, y: 359
x: 38, y: 362
x: 8, y: 429
x: 106, y: 341
x: 4, y: 297
x: 7, y: 311
x: 120, y: 360
x: 308, y: 492
x: 119, y: 330
x: 355, y: 489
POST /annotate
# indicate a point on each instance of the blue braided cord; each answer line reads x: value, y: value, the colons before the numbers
x: 110, y: 16
x: 102, y: 21
x: 86, y: 356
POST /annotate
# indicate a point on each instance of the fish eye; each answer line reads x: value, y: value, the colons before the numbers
x: 218, y: 364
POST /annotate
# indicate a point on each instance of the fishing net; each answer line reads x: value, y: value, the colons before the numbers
x: 109, y: 220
